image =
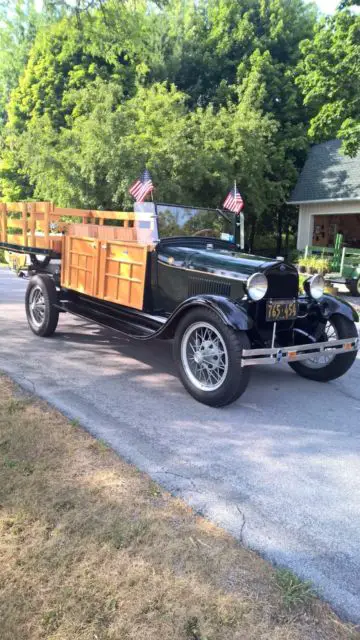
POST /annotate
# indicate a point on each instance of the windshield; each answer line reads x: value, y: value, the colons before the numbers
x: 188, y: 221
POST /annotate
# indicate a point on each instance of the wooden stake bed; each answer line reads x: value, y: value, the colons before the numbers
x: 102, y: 260
x: 112, y: 271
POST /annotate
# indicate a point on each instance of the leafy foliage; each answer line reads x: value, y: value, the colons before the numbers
x: 201, y: 92
x: 329, y: 78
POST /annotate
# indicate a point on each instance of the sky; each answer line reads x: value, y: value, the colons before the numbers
x: 326, y: 6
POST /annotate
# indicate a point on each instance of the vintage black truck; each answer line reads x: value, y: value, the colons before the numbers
x: 170, y: 272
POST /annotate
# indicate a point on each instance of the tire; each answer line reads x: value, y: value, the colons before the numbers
x: 340, y: 364
x: 40, y: 300
x: 219, y: 356
x: 354, y: 287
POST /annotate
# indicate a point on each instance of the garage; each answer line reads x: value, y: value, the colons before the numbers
x: 328, y: 197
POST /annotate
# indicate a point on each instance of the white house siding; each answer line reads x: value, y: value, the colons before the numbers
x: 308, y: 210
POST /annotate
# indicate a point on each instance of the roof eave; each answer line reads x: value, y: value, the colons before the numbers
x: 327, y: 200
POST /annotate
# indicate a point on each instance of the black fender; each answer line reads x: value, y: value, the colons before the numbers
x: 330, y: 305
x: 232, y: 314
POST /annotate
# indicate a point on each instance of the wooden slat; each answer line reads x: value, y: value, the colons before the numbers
x: 32, y: 209
x: 24, y: 211
x: 88, y: 213
x: 3, y: 211
x: 14, y: 207
x: 47, y: 222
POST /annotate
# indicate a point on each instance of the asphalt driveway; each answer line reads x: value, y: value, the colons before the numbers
x: 280, y: 468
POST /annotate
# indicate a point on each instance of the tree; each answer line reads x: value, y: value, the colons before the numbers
x: 202, y: 92
x: 329, y: 78
x: 214, y: 50
x: 18, y: 25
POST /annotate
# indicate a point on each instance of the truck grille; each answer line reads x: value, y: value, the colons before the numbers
x: 283, y: 282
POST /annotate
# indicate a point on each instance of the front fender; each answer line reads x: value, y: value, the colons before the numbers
x: 232, y: 314
x: 329, y: 305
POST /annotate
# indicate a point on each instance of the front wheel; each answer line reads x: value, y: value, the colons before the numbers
x: 327, y: 366
x: 208, y: 354
x: 40, y: 301
x: 354, y: 287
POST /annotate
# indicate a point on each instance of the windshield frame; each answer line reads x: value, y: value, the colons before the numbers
x: 227, y: 215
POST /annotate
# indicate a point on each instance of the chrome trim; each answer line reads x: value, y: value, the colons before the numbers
x: 238, y: 277
x: 276, y: 355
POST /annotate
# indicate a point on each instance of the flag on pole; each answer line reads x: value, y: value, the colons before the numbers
x: 142, y: 186
x: 234, y: 202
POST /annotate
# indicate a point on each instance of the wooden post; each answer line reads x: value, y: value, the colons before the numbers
x: 24, y: 222
x: 47, y: 225
x: 3, y: 222
x: 32, y: 209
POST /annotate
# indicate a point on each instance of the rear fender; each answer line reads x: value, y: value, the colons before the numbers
x: 231, y: 314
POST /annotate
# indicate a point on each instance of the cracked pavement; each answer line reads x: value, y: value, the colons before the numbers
x: 279, y: 469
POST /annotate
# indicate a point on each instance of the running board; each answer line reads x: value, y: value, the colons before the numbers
x: 275, y: 355
x: 128, y: 327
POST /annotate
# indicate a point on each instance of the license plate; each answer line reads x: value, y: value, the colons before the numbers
x: 281, y: 310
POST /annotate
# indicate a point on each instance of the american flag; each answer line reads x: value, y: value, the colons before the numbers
x: 234, y: 202
x: 142, y: 187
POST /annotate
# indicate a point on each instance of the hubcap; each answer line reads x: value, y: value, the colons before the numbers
x: 318, y: 361
x: 37, y: 306
x: 204, y: 356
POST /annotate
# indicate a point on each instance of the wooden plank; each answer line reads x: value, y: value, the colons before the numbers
x: 14, y: 207
x: 40, y: 207
x: 3, y: 211
x: 47, y: 223
x: 32, y: 210
x: 65, y: 262
x: 24, y: 212
x: 88, y: 213
x: 100, y: 287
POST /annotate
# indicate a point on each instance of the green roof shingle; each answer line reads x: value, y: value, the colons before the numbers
x: 328, y: 175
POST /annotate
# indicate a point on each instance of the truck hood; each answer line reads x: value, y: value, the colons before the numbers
x: 216, y: 261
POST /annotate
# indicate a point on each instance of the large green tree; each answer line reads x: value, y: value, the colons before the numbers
x: 329, y: 76
x: 201, y: 92
x: 18, y: 25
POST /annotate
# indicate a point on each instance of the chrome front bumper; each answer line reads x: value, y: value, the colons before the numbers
x: 300, y: 352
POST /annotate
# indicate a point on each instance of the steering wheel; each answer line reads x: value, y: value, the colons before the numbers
x: 202, y: 232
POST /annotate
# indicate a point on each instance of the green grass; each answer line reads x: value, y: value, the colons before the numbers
x: 295, y: 593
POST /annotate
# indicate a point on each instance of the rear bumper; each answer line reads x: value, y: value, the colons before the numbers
x: 251, y: 357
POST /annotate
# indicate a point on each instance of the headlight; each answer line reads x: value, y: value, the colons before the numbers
x: 315, y: 287
x: 257, y: 286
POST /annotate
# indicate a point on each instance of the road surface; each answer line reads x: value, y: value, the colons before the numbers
x: 279, y: 469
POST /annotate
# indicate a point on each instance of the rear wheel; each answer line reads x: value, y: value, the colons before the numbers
x: 208, y: 355
x: 40, y: 300
x: 327, y: 366
x: 354, y: 287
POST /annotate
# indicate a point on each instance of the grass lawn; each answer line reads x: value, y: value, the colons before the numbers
x: 92, y: 549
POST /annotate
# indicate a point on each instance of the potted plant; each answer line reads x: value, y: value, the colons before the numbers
x: 302, y: 265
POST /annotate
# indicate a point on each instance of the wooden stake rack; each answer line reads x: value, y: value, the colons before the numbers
x: 102, y: 260
x: 26, y: 226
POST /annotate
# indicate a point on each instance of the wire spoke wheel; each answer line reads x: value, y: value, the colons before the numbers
x: 318, y: 361
x: 204, y: 356
x: 37, y: 306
